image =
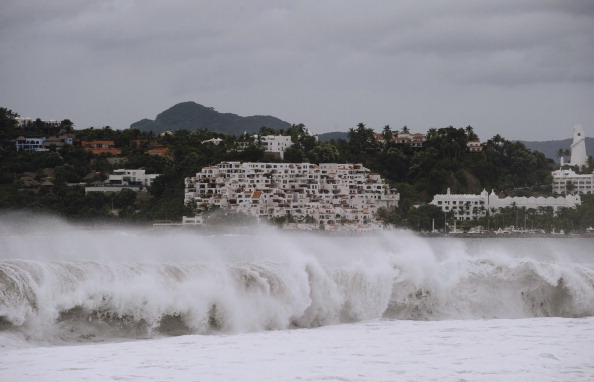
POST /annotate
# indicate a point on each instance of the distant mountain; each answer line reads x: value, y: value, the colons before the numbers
x: 326, y: 137
x: 193, y: 116
x: 550, y: 148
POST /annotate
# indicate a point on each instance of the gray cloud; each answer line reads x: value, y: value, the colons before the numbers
x: 523, y: 69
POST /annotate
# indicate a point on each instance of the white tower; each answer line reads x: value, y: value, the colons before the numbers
x: 578, y: 147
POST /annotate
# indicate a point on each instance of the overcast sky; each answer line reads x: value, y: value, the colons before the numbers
x: 523, y: 69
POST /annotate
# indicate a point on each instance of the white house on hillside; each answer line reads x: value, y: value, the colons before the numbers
x: 136, y: 180
x: 276, y: 144
x: 137, y: 177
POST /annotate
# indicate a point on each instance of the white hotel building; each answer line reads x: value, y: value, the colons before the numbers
x: 471, y: 206
x: 328, y: 194
x: 567, y: 180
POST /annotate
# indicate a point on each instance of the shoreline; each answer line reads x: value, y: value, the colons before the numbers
x: 245, y: 230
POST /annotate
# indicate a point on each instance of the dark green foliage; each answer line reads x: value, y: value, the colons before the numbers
x: 424, y: 216
x: 417, y: 173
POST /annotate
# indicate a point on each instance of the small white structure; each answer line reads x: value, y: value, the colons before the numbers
x: 192, y: 220
x: 214, y: 141
x: 472, y: 206
x: 29, y: 121
x: 578, y: 147
x: 474, y: 146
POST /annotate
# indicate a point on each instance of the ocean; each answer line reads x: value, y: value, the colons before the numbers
x: 128, y: 304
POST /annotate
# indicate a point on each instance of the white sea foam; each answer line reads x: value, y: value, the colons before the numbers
x: 60, y: 282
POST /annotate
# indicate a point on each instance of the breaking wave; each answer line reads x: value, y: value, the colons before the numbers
x: 66, y: 283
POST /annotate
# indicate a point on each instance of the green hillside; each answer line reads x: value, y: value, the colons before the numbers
x: 192, y: 116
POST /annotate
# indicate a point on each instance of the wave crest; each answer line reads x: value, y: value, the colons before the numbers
x: 244, y: 285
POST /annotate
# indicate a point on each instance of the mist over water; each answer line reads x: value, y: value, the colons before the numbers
x: 63, y: 283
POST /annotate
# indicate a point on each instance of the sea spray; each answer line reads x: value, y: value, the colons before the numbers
x: 70, y: 283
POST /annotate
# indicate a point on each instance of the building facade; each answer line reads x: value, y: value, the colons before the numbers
x: 472, y: 206
x: 128, y: 177
x: 276, y: 144
x: 272, y: 144
x: 118, y: 180
x: 567, y: 181
x: 101, y: 147
x: 328, y: 194
x: 43, y: 143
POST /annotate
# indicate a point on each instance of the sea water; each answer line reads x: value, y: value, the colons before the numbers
x: 115, y: 303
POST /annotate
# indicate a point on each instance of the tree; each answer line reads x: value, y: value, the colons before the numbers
x: 562, y: 153
x: 424, y: 216
x: 471, y: 134
x: 324, y: 153
x: 8, y: 124
x: 387, y: 135
x: 66, y: 126
x: 361, y: 144
x: 267, y: 131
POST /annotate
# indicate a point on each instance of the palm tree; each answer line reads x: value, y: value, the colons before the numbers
x: 562, y: 153
x: 387, y: 133
x: 432, y: 133
x: 471, y: 134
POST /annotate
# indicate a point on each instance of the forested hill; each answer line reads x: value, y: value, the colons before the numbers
x: 551, y: 148
x: 192, y: 116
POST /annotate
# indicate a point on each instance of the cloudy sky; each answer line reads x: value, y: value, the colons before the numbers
x: 523, y: 69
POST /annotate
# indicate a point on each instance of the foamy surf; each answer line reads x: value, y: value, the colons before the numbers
x: 70, y: 284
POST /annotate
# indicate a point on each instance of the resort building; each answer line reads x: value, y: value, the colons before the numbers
x: 568, y: 181
x: 101, y: 147
x: 120, y: 179
x: 472, y: 206
x: 329, y: 194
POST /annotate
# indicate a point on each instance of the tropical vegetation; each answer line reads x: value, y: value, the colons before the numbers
x: 53, y: 181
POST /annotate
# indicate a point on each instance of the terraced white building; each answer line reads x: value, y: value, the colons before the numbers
x: 328, y: 194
